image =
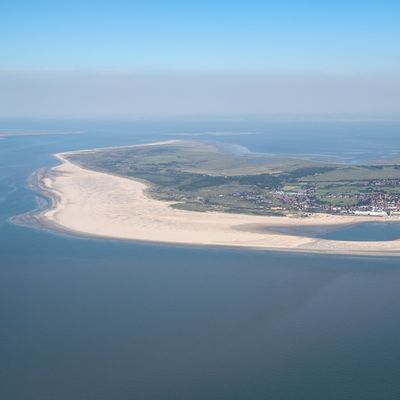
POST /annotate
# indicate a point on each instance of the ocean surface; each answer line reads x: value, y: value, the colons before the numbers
x: 361, y: 232
x: 84, y: 319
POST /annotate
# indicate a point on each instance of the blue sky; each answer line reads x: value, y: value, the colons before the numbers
x: 128, y: 59
x: 342, y: 37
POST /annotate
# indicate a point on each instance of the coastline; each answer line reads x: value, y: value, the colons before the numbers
x: 97, y: 204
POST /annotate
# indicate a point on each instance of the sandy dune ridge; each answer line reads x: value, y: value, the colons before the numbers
x: 104, y: 205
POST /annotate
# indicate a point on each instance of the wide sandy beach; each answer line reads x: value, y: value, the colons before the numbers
x: 98, y: 204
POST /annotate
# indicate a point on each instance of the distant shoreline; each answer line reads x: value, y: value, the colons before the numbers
x: 96, y: 204
x: 9, y: 133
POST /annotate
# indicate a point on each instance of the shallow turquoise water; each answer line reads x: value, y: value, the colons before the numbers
x: 90, y: 319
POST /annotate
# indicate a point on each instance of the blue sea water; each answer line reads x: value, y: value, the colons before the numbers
x: 87, y: 319
x: 366, y: 232
x: 359, y: 232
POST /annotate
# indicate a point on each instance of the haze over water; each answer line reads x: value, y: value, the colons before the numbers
x: 99, y: 319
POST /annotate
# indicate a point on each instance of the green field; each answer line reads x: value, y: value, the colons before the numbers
x: 202, y: 176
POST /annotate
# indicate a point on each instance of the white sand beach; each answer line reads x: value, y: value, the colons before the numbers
x: 103, y: 205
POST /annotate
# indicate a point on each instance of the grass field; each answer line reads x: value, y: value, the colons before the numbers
x: 199, y: 176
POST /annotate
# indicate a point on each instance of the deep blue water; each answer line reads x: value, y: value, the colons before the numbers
x: 91, y: 319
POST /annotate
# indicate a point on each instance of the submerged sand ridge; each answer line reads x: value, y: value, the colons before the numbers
x: 103, y: 205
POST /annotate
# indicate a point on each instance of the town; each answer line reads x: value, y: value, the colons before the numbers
x: 376, y: 198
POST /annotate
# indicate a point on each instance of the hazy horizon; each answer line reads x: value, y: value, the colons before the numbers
x: 130, y: 95
x: 131, y: 60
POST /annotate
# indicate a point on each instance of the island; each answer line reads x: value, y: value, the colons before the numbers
x: 197, y: 193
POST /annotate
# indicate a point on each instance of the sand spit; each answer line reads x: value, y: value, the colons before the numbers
x: 98, y: 204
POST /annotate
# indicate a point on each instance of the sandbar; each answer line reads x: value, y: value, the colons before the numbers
x: 99, y: 204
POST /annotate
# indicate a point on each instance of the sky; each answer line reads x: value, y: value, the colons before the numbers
x: 130, y: 59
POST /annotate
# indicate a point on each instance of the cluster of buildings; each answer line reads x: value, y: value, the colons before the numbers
x: 371, y: 201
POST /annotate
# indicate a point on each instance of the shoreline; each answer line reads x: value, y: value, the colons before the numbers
x: 95, y: 204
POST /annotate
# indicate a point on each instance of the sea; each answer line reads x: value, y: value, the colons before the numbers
x: 93, y: 319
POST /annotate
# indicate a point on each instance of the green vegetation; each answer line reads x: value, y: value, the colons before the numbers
x: 201, y: 176
x: 357, y: 173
